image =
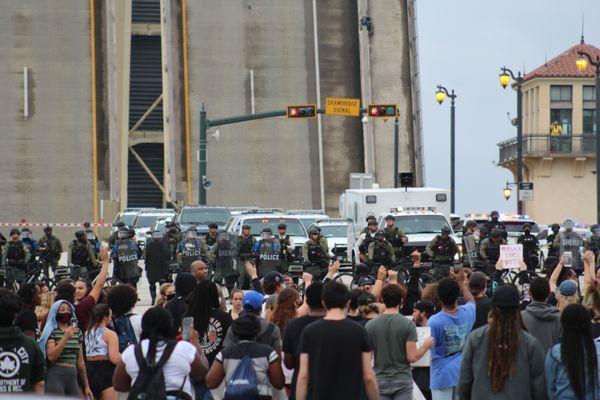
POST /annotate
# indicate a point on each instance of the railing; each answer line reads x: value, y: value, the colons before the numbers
x: 547, y: 145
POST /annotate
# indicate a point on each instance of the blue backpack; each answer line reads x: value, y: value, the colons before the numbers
x: 124, y: 331
x: 243, y: 384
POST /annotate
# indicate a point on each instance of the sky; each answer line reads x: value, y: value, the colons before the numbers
x: 462, y: 45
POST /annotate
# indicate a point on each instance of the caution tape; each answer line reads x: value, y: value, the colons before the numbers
x: 55, y: 224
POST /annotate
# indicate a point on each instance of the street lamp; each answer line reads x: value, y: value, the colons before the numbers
x: 507, y: 191
x: 505, y: 77
x: 440, y: 96
x: 582, y: 63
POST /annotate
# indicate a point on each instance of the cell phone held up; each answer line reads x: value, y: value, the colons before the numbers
x: 186, y: 326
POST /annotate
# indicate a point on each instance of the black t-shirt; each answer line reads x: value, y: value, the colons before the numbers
x: 291, y: 343
x: 21, y: 361
x: 482, y: 308
x: 26, y: 320
x: 334, y: 351
x: 212, y: 341
x: 595, y: 330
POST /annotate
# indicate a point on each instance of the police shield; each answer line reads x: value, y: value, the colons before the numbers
x: 470, y: 250
x: 226, y: 253
x: 571, y: 241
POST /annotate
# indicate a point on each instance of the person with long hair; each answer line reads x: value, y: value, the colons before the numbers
x: 209, y: 320
x: 236, y: 303
x: 42, y: 310
x: 572, y: 364
x: 102, y: 353
x: 157, y: 334
x: 26, y: 320
x: 61, y: 343
x: 501, y: 358
x: 286, y: 308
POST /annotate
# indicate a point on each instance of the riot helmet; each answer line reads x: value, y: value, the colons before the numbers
x: 246, y: 227
x: 213, y: 225
x: 267, y: 233
x: 555, y: 228
x: 569, y: 225
x: 48, y: 230
x: 80, y: 235
x: 25, y: 233
x: 156, y: 235
x: 120, y: 224
x: 446, y: 230
x: 131, y: 233
x: 372, y: 225
x: 496, y: 234
x: 281, y: 226
x: 313, y: 231
x: 379, y: 236
x: 595, y: 229
x: 527, y: 227
x: 122, y: 233
x: 191, y: 233
x: 14, y: 231
x: 370, y: 217
x: 90, y: 235
x: 494, y: 215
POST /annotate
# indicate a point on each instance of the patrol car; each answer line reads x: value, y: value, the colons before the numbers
x: 201, y: 216
x: 335, y: 230
x: 260, y: 219
x: 514, y: 226
x: 144, y: 220
x: 420, y: 225
x: 127, y: 216
x: 308, y: 217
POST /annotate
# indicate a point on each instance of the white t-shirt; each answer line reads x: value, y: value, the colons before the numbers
x: 136, y: 324
x: 176, y: 369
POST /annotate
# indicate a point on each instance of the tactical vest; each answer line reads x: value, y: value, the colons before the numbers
x: 287, y: 254
x: 443, y: 247
x: 210, y: 241
x: 528, y: 242
x: 315, y: 253
x: 493, y: 251
x: 552, y: 251
x: 365, y: 244
x: 246, y: 244
x: 393, y: 237
x: 126, y: 260
x: 268, y: 256
x: 79, y: 254
x: 381, y: 253
x: 192, y: 251
x: 15, y: 251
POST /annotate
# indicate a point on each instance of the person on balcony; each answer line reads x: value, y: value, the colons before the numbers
x: 555, y: 130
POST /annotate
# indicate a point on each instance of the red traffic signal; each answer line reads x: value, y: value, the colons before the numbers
x: 382, y: 110
x: 302, y: 111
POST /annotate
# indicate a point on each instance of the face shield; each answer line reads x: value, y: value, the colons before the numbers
x: 25, y: 234
x: 568, y: 225
x: 156, y: 235
x: 123, y: 234
x: 191, y: 235
x: 90, y: 236
x: 266, y: 235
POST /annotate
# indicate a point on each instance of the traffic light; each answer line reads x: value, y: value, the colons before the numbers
x: 302, y: 111
x: 383, y: 110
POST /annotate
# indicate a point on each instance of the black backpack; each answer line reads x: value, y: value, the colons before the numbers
x: 150, y: 382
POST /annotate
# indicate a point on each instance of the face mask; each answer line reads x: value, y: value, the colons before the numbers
x: 494, y: 219
x: 64, y: 318
x: 527, y: 231
x: 555, y: 231
x: 170, y: 296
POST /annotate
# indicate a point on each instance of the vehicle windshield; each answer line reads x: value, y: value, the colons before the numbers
x: 128, y: 219
x: 308, y: 221
x: 201, y: 216
x: 414, y: 224
x: 517, y: 226
x: 329, y: 231
x: 145, y: 220
x: 294, y: 227
x: 159, y: 226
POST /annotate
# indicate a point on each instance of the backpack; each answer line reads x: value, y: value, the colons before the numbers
x: 150, y: 382
x: 124, y: 331
x: 243, y: 384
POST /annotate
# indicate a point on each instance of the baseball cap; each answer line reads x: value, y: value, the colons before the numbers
x: 425, y: 306
x: 372, y: 222
x: 252, y: 300
x: 272, y: 277
x: 506, y: 296
x: 389, y: 216
x: 364, y: 280
x: 568, y: 287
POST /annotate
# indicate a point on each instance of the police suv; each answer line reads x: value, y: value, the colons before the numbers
x: 260, y: 219
x: 308, y: 217
x: 145, y: 219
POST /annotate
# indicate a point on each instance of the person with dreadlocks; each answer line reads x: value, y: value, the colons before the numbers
x: 572, y: 364
x: 501, y: 360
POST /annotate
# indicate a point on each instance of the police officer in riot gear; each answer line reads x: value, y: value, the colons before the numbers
x: 469, y: 245
x: 395, y: 236
x: 190, y: 250
x: 126, y: 254
x: 15, y: 256
x: 225, y: 256
x: 50, y: 250
x: 593, y: 242
x: 530, y: 247
x: 441, y: 250
x: 568, y: 240
x: 31, y: 244
x: 113, y: 236
x: 266, y: 253
x: 380, y: 252
x: 208, y: 241
x: 369, y: 218
x: 315, y: 255
x: 287, y: 246
x: 495, y: 223
x: 490, y: 250
x: 365, y: 239
x: 245, y: 242
x: 552, y: 250
x: 80, y: 255
x: 157, y: 256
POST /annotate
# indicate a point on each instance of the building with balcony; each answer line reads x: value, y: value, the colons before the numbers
x: 560, y: 162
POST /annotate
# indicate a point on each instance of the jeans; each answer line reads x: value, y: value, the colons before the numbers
x: 395, y: 389
x: 443, y: 394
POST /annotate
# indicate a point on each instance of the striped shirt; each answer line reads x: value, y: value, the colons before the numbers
x: 70, y: 353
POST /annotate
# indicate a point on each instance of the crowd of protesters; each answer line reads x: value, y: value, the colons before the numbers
x: 383, y: 340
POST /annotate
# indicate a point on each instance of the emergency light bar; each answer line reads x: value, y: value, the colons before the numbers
x: 412, y: 209
x: 333, y: 220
